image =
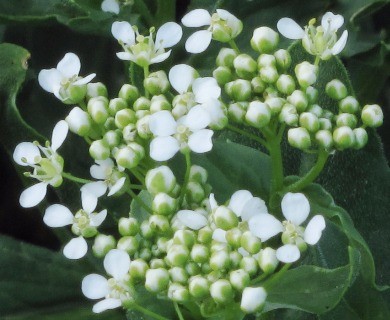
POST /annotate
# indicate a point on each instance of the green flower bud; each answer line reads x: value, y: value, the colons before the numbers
x: 124, y: 117
x: 177, y: 255
x: 264, y: 40
x: 253, y: 299
x: 206, y: 268
x: 79, y: 122
x: 249, y: 264
x: 138, y: 269
x: 142, y: 103
x: 127, y: 157
x: 128, y: 226
x: 250, y: 243
x: 343, y: 137
x: 361, y: 138
x: 178, y: 274
x: 221, y: 291
x: 200, y: 253
x: 233, y: 237
x: 336, y: 89
x: 316, y: 110
x: 270, y: 92
x: 289, y: 115
x: 269, y: 74
x: 160, y: 179
x: 245, y: 66
x: 73, y: 94
x: 258, y: 114
x: 258, y: 85
x: 266, y: 60
x: 285, y: 84
x: 306, y: 74
x: 372, y: 115
x: 275, y: 104
x: 159, y: 103
x: 129, y: 133
x: 157, y: 83
x: 349, y: 105
x: 327, y: 114
x: 116, y: 105
x: 193, y: 268
x: 324, y: 139
x: 218, y: 245
x: 225, y: 218
x: 223, y: 75
x: 129, y: 244
x: 129, y: 93
x: 159, y: 223
x: 346, y: 119
x: 198, y: 174
x: 220, y: 260
x: 163, y: 204
x: 98, y: 109
x: 299, y: 138
x: 110, y: 124
x: 145, y: 254
x: 178, y: 293
x: 156, y: 280
x: 225, y: 28
x: 283, y: 59
x: 205, y: 235
x: 184, y: 237
x: 99, y: 150
x: 237, y: 111
x: 309, y: 121
x: 239, y: 279
x: 325, y: 124
x: 102, y: 244
x: 198, y: 286
x: 312, y: 95
x: 143, y: 129
x: 112, y: 138
x: 225, y: 57
x: 195, y: 192
x: 239, y: 90
x: 146, y: 230
x: 95, y: 90
x: 299, y: 100
x: 267, y: 260
x: 235, y: 259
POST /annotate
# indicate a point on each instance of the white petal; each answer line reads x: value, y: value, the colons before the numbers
x: 181, y: 77
x: 219, y: 235
x: 97, y: 218
x: 192, y: 219
x: 168, y: 35
x: 117, y: 186
x: 84, y: 80
x: 200, y: 141
x: 252, y: 299
x: 340, y: 44
x: 28, y: 151
x: 288, y: 253
x: 197, y: 118
x: 57, y: 215
x: 162, y: 123
x: 198, y: 41
x: 197, y: 18
x: 213, y: 202
x: 76, y: 248
x: 243, y: 252
x: 110, y: 6
x: 332, y: 22
x: 49, y: 78
x: 290, y: 29
x: 205, y: 89
x: 69, y: 65
x: 265, y: 226
x: 101, y: 171
x: 117, y: 263
x: 253, y: 207
x: 33, y: 195
x: 295, y: 207
x: 60, y: 132
x: 95, y: 286
x: 90, y: 193
x: 125, y: 56
x: 161, y: 57
x: 163, y: 148
x: 238, y: 201
x: 123, y: 31
x: 314, y: 229
x: 106, y: 304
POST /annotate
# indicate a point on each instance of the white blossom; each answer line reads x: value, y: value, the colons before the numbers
x: 192, y: 219
x: 110, y: 6
x: 45, y: 161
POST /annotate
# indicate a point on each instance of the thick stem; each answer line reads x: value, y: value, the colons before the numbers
x: 317, y: 61
x: 311, y: 175
x: 147, y: 312
x: 146, y: 74
x: 248, y: 134
x: 74, y: 179
x: 186, y: 177
x: 275, y: 153
x: 234, y: 46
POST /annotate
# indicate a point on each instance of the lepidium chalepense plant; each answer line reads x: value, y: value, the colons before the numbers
x: 177, y: 241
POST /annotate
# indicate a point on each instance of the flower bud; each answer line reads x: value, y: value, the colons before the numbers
x: 220, y: 260
x: 198, y: 174
x: 193, y: 268
x: 225, y: 26
x: 258, y: 114
x: 129, y: 133
x: 312, y: 95
x: 178, y: 274
x: 159, y: 103
x: 349, y: 105
x: 283, y: 59
x: 264, y: 40
x: 142, y: 103
x: 267, y: 260
x: 79, y: 122
x: 361, y: 138
x: 316, y: 110
x: 129, y: 93
x: 250, y: 243
x: 157, y: 263
x: 223, y: 75
x: 138, y: 268
x: 225, y: 57
x: 372, y: 115
x: 253, y: 299
x: 184, y: 237
x: 249, y: 264
x: 289, y: 115
x: 127, y: 157
x: 245, y: 66
x: 309, y: 121
x: 116, y: 105
x: 156, y: 280
x: 200, y: 253
x: 239, y: 279
x: 237, y: 111
x: 95, y: 90
x: 306, y: 74
x: 325, y: 124
x: 99, y: 150
x: 258, y: 85
x: 336, y: 89
x: 266, y: 60
x: 112, y: 138
x: 195, y: 193
x: 177, y: 255
x: 299, y: 100
x: 160, y: 179
x: 239, y: 90
x: 97, y: 108
x: 221, y: 291
x: 163, y: 204
x: 299, y: 138
x: 146, y: 230
x: 128, y: 226
x: 129, y: 244
x: 73, y: 94
x: 124, y: 117
x: 198, y: 286
x: 205, y: 235
x: 285, y: 84
x: 225, y: 218
x: 159, y: 223
x: 103, y: 243
x: 178, y: 293
x: 275, y: 104
x: 233, y: 237
x: 324, y: 139
x: 269, y: 74
x: 343, y: 137
x: 346, y: 119
x: 109, y: 124
x: 156, y: 83
x: 145, y: 254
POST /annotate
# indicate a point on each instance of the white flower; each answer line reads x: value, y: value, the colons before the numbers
x: 58, y: 80
x: 222, y: 26
x: 110, y: 6
x: 142, y: 50
x: 115, y: 290
x: 245, y: 205
x: 320, y: 41
x: 45, y: 161
x: 296, y: 209
x: 171, y: 135
x: 192, y: 219
x: 84, y: 224
x: 106, y: 170
x: 253, y: 299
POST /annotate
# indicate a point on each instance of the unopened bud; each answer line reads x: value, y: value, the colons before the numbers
x: 266, y: 60
x: 128, y: 226
x: 249, y: 264
x: 223, y: 75
x: 316, y: 110
x: 225, y: 218
x: 164, y: 204
x: 372, y: 115
x: 239, y: 279
x: 129, y: 93
x: 346, y: 119
x: 178, y: 293
x: 250, y: 243
x: 264, y: 40
x: 324, y: 139
x: 142, y: 103
x: 283, y: 59
x: 306, y: 74
x: 103, y: 244
x: 159, y: 223
x: 258, y: 85
x: 116, y: 105
x: 267, y: 260
x: 285, y: 84
x: 200, y: 253
x: 309, y: 121
x: 275, y: 104
x: 269, y: 74
x: 178, y: 274
x: 205, y: 235
x: 127, y: 157
x: 289, y: 115
x: 312, y: 94
x: 99, y: 150
x: 129, y: 133
x: 225, y: 57
x: 138, y: 268
x: 299, y: 100
x: 98, y: 109
x: 245, y: 66
x: 95, y: 90
x: 336, y: 89
x: 112, y: 138
x: 349, y: 105
x: 221, y: 291
x: 125, y: 117
x: 156, y: 83
x: 325, y: 124
x: 177, y: 255
x: 361, y: 138
x: 129, y: 244
x: 198, y: 286
x: 195, y: 193
x: 79, y: 122
x: 156, y: 280
x: 343, y: 137
x: 253, y: 299
x: 258, y: 114
x: 160, y: 179
x: 233, y: 237
x: 239, y: 90
x: 299, y: 138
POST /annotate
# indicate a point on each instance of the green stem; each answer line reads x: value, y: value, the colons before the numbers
x: 311, y: 175
x: 139, y: 200
x: 268, y: 284
x: 138, y: 175
x: 74, y: 179
x: 177, y: 309
x: 146, y: 74
x: 136, y: 187
x: 147, y: 312
x: 234, y: 46
x: 317, y: 61
x: 145, y: 13
x: 248, y: 134
x: 186, y: 177
x: 83, y: 105
x: 275, y: 153
x: 260, y: 278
